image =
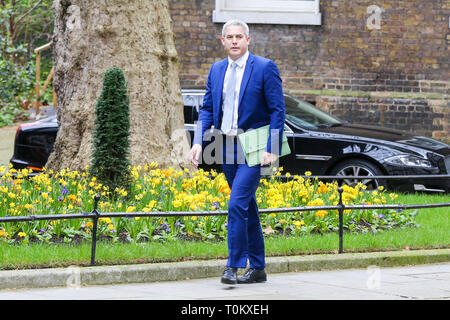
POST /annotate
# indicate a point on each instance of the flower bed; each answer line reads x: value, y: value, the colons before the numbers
x: 155, y: 189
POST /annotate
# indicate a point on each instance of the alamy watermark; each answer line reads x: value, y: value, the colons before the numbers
x: 220, y: 149
x: 374, y: 277
x: 74, y: 279
x: 374, y: 20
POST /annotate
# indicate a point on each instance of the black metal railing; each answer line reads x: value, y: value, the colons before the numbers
x: 340, y: 207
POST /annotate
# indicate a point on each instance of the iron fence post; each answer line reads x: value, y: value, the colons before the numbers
x: 341, y: 222
x: 94, y: 229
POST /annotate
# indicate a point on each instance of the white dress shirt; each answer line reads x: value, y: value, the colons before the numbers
x: 241, y: 62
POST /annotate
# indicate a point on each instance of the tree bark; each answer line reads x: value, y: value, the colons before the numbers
x: 136, y: 36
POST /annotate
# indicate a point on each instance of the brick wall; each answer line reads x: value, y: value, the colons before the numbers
x: 396, y: 76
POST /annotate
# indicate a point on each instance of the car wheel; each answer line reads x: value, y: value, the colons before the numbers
x: 359, y: 168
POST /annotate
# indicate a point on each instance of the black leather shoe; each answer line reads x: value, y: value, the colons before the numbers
x: 252, y: 276
x: 229, y: 276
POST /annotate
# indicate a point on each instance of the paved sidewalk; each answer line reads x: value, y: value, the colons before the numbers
x: 410, y: 274
x: 372, y: 283
x: 139, y: 273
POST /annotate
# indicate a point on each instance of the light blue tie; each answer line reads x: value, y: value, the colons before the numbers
x: 228, y: 103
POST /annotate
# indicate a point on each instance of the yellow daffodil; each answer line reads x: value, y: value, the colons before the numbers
x: 130, y: 209
x: 107, y: 220
x: 321, y: 213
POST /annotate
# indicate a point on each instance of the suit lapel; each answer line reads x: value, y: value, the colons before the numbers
x: 219, y: 84
x: 247, y: 73
x: 217, y: 92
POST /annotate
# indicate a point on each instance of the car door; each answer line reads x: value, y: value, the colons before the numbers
x: 313, y: 153
x: 193, y: 100
x: 288, y: 162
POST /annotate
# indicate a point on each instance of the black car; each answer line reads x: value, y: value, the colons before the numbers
x: 320, y: 143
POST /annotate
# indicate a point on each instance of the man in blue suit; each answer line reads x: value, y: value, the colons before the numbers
x: 243, y: 92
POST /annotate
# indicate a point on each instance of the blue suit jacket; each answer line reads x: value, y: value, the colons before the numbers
x: 261, y: 100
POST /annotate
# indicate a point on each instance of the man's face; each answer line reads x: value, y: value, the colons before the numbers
x: 235, y: 42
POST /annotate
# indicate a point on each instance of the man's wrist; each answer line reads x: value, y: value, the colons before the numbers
x: 271, y: 154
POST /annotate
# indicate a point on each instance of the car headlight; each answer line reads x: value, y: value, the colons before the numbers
x: 409, y: 160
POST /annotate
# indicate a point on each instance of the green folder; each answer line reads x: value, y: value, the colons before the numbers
x: 254, y: 143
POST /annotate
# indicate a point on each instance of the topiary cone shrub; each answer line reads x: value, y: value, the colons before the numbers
x: 110, y: 162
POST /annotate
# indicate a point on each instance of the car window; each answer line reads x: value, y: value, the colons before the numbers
x: 298, y: 112
x: 192, y: 104
x: 305, y: 115
x: 40, y: 139
x: 188, y: 118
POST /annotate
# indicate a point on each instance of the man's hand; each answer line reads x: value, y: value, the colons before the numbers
x: 195, y: 154
x: 268, y: 158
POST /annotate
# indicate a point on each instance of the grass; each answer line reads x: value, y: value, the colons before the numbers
x: 433, y: 232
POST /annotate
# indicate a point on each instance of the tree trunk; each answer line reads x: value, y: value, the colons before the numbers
x: 136, y: 36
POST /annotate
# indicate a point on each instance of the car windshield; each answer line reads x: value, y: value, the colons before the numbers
x: 305, y: 115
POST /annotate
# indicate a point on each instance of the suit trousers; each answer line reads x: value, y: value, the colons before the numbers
x: 245, y: 238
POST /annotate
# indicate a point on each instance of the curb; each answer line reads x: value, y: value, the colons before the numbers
x: 138, y: 273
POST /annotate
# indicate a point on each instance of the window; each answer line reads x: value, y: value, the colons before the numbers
x: 269, y: 11
x: 192, y: 100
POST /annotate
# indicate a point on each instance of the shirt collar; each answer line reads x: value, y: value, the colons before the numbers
x: 241, y: 61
